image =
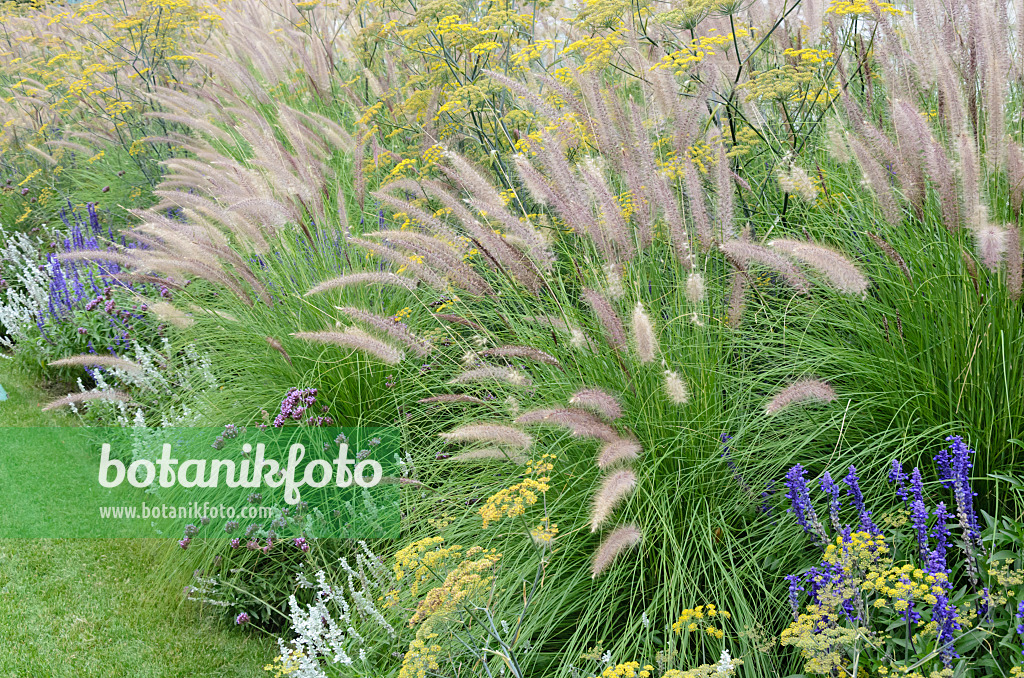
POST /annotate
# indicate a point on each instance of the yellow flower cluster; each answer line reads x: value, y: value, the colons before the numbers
x: 422, y: 559
x: 627, y: 670
x: 285, y: 666
x: 467, y: 579
x: 511, y: 502
x: 862, y: 8
x: 703, y: 618
x: 419, y: 660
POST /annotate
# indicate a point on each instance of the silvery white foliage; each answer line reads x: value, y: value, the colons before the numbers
x: 30, y: 292
x: 362, y: 597
x: 322, y: 629
x: 325, y: 631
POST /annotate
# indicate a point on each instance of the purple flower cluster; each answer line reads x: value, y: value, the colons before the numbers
x: 294, y: 406
x: 242, y: 618
x: 955, y: 470
x: 302, y: 544
x: 829, y: 487
x: 858, y: 502
x: 800, y: 503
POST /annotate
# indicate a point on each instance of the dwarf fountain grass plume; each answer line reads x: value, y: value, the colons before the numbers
x: 487, y: 432
x: 697, y: 204
x: 837, y: 268
x: 644, y: 339
x: 399, y: 259
x: 453, y: 398
x: 675, y: 388
x: 618, y: 541
x: 355, y: 338
x: 375, y: 278
x: 614, y: 333
x: 618, y: 450
x: 507, y: 375
x: 877, y: 181
x: 892, y: 254
x: 695, y: 291
x: 393, y: 328
x: 794, y: 180
x: 614, y: 488
x: 597, y: 400
x: 441, y: 255
x: 276, y: 345
x: 738, y: 282
x: 744, y: 253
x: 522, y: 352
x: 801, y: 391
x: 170, y: 313
x: 991, y: 242
x: 458, y: 320
x: 94, y: 360
x: 73, y: 399
x: 583, y: 424
x: 1014, y: 262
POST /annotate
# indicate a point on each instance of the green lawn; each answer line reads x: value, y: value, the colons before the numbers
x: 92, y: 607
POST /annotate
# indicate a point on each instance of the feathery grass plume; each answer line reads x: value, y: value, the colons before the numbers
x: 93, y: 360
x: 375, y: 278
x: 399, y: 259
x: 502, y: 374
x: 676, y: 388
x: 76, y: 398
x: 615, y: 239
x: 598, y: 401
x: 276, y: 345
x: 724, y: 193
x: 877, y: 180
x: 695, y: 290
x: 618, y: 450
x: 616, y: 486
x: 1013, y: 262
x: 486, y: 432
x: 440, y: 255
x: 991, y: 244
x: 583, y: 424
x: 893, y: 255
x: 801, y: 391
x: 490, y: 454
x: 837, y: 268
x: 614, y: 333
x: 1015, y: 171
x: 355, y: 338
x: 457, y: 320
x: 737, y: 297
x: 453, y: 398
x: 618, y: 540
x: 745, y: 252
x: 643, y: 335
x: 697, y: 203
x: 795, y: 181
x: 522, y: 352
x: 395, y: 329
x: 170, y: 313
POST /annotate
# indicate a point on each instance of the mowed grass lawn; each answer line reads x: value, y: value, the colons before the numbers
x: 87, y: 608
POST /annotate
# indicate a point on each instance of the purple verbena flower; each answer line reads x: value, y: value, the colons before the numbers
x: 242, y: 618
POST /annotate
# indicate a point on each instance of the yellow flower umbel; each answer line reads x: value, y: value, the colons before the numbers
x: 512, y: 501
x: 701, y: 618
